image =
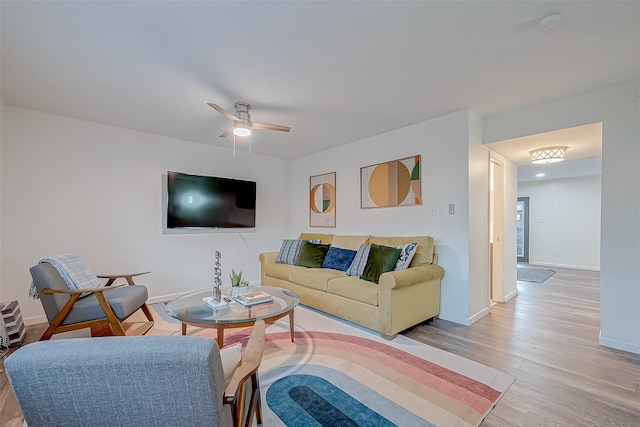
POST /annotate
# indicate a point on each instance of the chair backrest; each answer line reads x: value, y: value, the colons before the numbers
x: 45, y: 276
x: 111, y: 381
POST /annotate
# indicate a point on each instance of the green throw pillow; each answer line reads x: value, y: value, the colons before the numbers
x: 312, y: 255
x: 381, y: 259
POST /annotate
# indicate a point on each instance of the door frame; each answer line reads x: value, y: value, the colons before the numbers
x: 525, y: 237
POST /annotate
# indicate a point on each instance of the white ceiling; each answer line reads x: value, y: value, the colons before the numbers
x: 583, y: 155
x: 336, y: 72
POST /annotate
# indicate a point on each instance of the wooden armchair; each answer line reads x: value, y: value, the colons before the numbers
x: 67, y: 311
x: 243, y: 391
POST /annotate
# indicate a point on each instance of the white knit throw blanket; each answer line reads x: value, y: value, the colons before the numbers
x: 75, y: 273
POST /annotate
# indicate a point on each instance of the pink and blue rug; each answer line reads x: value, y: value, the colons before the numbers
x: 339, y: 374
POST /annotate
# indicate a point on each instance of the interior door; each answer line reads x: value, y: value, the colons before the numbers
x: 522, y: 230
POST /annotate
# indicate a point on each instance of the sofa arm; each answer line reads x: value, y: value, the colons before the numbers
x: 410, y: 276
x: 268, y: 257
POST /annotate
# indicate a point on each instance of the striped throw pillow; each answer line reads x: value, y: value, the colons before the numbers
x: 290, y: 250
x: 359, y: 262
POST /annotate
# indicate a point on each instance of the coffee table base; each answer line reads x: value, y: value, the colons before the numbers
x: 221, y: 327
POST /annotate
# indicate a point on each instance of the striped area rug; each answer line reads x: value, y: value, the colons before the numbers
x: 337, y: 373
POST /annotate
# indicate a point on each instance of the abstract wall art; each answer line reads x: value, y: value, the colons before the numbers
x: 394, y: 183
x: 322, y: 200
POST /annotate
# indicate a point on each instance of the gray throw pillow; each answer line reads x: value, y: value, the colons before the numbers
x: 357, y: 266
x: 289, y: 251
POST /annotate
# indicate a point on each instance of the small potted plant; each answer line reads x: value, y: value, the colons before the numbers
x: 238, y: 284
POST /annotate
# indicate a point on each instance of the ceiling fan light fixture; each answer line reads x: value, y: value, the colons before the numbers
x: 241, y: 129
x: 548, y: 155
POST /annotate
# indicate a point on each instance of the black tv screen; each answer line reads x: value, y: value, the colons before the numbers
x: 195, y: 201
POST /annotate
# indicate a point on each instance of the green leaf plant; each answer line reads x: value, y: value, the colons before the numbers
x: 237, y: 280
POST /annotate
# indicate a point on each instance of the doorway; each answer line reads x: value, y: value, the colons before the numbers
x: 522, y: 229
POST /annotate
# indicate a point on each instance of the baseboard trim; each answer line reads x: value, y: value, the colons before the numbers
x: 511, y: 295
x: 466, y: 321
x: 618, y: 345
x: 575, y: 267
x: 455, y: 319
x: 479, y: 315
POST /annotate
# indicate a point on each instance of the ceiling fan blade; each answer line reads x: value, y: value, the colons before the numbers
x: 269, y: 126
x: 227, y: 132
x: 222, y: 111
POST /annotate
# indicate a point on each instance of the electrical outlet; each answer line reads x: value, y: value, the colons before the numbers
x: 452, y: 209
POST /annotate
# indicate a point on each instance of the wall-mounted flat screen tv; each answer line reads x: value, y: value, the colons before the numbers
x: 195, y: 201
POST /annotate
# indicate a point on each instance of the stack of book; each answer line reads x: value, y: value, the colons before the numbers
x: 253, y: 298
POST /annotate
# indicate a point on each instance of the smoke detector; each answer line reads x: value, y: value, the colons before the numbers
x: 550, y: 22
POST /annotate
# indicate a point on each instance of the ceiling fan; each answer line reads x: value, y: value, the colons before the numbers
x: 242, y: 123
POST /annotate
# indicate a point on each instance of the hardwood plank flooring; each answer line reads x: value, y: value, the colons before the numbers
x: 546, y: 337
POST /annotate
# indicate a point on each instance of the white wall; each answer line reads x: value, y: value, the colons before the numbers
x: 2, y: 109
x: 564, y: 222
x: 616, y: 108
x: 510, y: 261
x: 478, y: 222
x: 95, y: 190
x: 444, y: 145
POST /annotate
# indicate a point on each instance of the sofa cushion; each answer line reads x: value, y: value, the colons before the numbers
x: 323, y: 238
x: 359, y: 261
x: 354, y: 288
x: 314, y: 278
x: 338, y: 258
x: 381, y: 259
x: 280, y: 271
x: 312, y: 255
x: 424, y: 251
x: 407, y: 252
x: 349, y: 242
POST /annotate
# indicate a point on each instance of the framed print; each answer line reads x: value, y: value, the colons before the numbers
x: 394, y: 183
x: 322, y: 200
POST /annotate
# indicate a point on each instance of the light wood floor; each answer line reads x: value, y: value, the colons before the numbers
x: 546, y: 337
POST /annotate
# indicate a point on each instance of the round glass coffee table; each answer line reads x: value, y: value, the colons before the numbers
x: 191, y: 309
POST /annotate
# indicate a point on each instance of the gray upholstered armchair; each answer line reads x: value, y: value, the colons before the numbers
x: 73, y: 309
x: 150, y: 381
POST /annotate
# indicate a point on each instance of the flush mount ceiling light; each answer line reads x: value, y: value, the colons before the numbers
x: 548, y: 155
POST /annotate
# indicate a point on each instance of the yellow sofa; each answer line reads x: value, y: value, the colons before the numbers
x: 402, y: 298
